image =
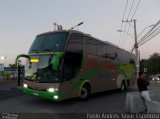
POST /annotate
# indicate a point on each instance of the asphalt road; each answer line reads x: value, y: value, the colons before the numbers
x: 112, y: 101
x: 107, y: 102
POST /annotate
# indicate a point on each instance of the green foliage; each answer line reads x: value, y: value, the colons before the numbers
x: 12, y: 65
x: 152, y: 64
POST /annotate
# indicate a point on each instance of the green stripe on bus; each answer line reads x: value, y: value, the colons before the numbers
x: 90, y: 73
x: 86, y: 76
x: 56, y: 60
x: 128, y: 70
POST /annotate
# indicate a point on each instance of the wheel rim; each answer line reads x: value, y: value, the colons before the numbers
x: 84, y: 93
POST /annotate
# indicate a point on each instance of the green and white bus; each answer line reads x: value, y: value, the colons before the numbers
x: 68, y: 63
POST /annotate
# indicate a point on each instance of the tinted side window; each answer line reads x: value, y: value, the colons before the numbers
x: 123, y: 56
x: 111, y: 51
x: 101, y: 49
x: 75, y: 43
x: 90, y: 46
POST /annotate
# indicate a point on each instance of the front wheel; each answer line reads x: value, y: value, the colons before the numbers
x: 85, y: 92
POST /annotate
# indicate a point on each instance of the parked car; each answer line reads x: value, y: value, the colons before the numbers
x: 155, y: 78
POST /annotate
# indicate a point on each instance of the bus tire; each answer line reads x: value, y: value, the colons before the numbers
x: 123, y: 86
x: 85, y: 92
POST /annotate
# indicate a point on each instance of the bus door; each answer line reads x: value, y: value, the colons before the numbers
x: 71, y: 67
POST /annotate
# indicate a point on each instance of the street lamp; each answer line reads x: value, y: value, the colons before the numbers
x: 73, y: 27
x: 2, y: 57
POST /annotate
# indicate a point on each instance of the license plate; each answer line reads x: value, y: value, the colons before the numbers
x: 36, y: 94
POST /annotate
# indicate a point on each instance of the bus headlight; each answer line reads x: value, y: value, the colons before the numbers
x: 25, y: 85
x: 51, y: 90
x: 55, y: 97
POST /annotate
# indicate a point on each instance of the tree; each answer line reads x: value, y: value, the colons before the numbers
x: 152, y: 64
x: 12, y: 65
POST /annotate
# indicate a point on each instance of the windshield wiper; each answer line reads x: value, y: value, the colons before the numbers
x: 43, y: 81
x: 49, y: 50
x: 35, y: 51
x: 29, y: 79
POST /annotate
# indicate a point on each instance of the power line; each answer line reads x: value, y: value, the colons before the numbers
x: 127, y: 19
x: 145, y: 15
x: 149, y: 32
x: 130, y: 9
x: 125, y: 9
x: 132, y: 18
x: 150, y: 37
x: 144, y: 30
x: 136, y: 8
x: 120, y: 35
x: 147, y: 37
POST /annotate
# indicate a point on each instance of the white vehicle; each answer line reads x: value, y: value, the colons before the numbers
x: 155, y: 78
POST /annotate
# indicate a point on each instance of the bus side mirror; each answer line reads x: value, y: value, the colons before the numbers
x: 56, y: 60
x: 24, y: 56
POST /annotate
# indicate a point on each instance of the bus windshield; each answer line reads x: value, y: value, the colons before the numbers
x: 49, y: 42
x: 41, y: 71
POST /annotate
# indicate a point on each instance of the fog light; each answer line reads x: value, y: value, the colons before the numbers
x: 51, y: 90
x: 56, y: 97
x: 25, y: 85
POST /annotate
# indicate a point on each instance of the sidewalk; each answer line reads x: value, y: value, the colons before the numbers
x: 9, y: 89
x: 154, y: 85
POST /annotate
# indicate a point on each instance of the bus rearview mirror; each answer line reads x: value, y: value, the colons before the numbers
x: 24, y: 56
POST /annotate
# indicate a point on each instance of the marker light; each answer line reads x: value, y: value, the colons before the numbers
x: 51, y: 90
x: 56, y: 97
x: 34, y: 60
x: 25, y: 85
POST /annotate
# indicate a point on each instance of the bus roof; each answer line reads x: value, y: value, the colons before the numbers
x: 75, y: 31
x: 105, y: 42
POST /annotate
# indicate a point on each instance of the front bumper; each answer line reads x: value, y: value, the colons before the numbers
x: 42, y: 94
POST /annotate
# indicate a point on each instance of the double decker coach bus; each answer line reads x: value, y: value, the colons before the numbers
x: 68, y: 63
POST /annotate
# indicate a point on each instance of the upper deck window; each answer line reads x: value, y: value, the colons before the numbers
x: 49, y: 42
x: 75, y: 43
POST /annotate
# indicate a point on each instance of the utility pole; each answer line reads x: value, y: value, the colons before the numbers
x: 19, y: 73
x: 135, y: 46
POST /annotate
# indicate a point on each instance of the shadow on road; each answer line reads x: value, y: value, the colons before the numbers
x: 75, y: 100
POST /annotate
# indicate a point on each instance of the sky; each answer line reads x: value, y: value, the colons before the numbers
x: 22, y: 20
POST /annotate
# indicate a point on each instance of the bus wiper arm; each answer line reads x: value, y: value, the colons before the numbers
x: 36, y: 51
x: 49, y: 50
